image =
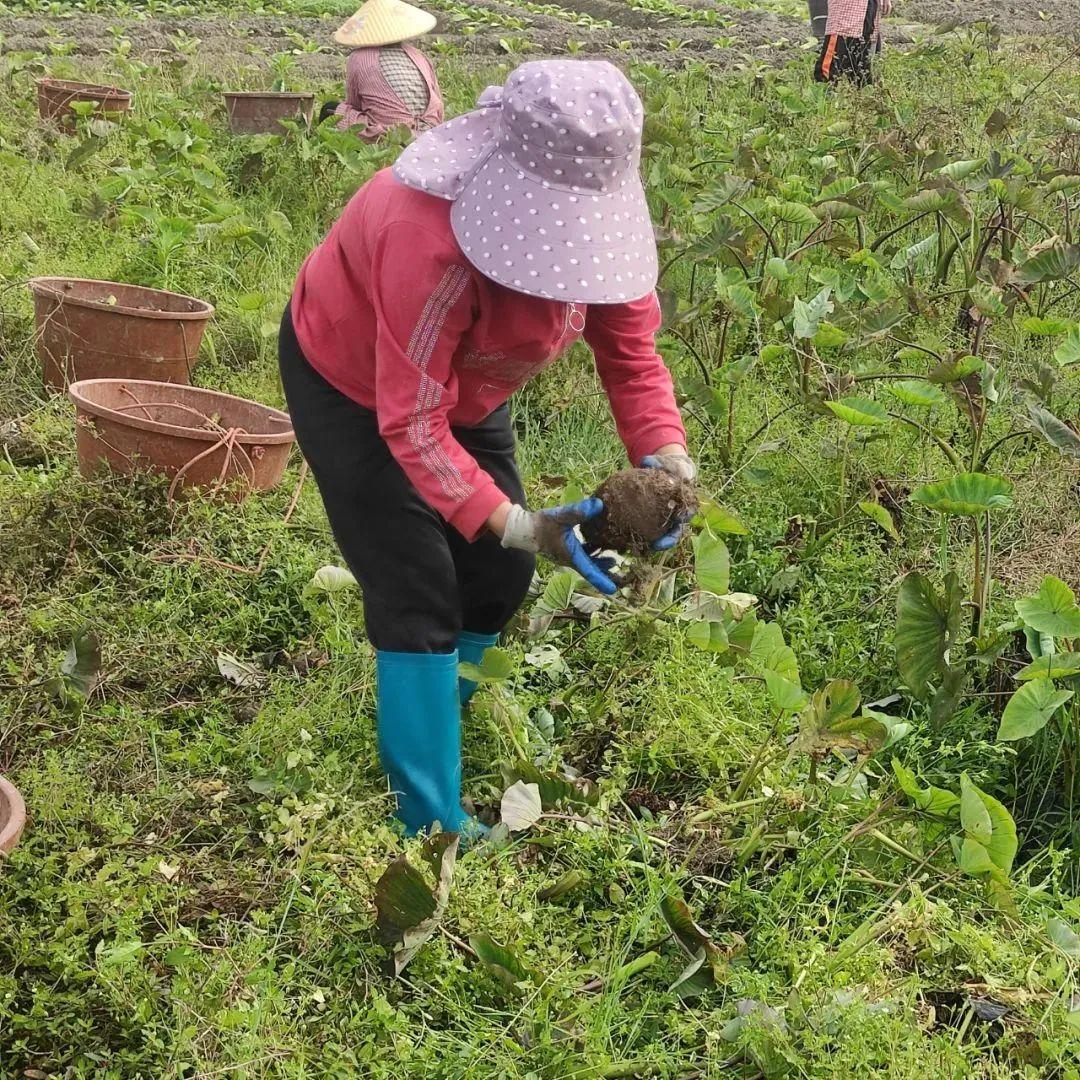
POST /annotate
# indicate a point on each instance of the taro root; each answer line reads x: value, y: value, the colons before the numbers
x: 640, y: 506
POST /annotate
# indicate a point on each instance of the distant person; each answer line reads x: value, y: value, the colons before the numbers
x: 819, y: 16
x: 852, y: 36
x: 387, y: 83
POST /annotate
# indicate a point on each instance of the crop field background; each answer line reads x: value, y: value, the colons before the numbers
x: 809, y: 788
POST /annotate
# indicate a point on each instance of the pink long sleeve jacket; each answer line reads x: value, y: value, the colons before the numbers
x: 389, y: 311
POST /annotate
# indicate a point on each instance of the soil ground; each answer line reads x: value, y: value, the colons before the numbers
x: 744, y: 33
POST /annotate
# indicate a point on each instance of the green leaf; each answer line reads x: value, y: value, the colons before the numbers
x: 555, y: 790
x: 960, y: 170
x: 1029, y: 710
x: 809, y: 313
x: 566, y: 883
x: 974, y: 858
x: 720, y: 192
x: 120, y: 953
x: 779, y: 269
x: 986, y: 821
x: 251, y: 301
x: 974, y: 816
x: 791, y: 213
x: 706, y: 967
x: 829, y: 336
x: 557, y: 591
x: 521, y: 807
x: 719, y: 519
x: 1068, y: 352
x: 708, y: 634
x: 81, y: 666
x: 712, y: 563
x: 407, y: 909
x: 1062, y: 665
x: 926, y: 627
x: 910, y: 257
x: 1052, y: 610
x: 1051, y: 261
x: 495, y: 665
x: 966, y: 494
x: 917, y: 392
x: 330, y: 579
x: 1046, y: 327
x: 932, y: 800
x: 1064, y: 937
x: 502, y: 962
x: 948, y: 371
x: 1062, y: 182
x: 881, y: 517
x: 839, y: 209
x: 1055, y: 431
x: 859, y: 411
x: 786, y: 695
x: 829, y: 723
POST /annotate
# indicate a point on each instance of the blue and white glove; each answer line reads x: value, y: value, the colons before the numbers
x: 551, y: 533
x: 683, y: 467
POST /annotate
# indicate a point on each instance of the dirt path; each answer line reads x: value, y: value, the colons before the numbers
x: 231, y: 43
x: 1043, y: 18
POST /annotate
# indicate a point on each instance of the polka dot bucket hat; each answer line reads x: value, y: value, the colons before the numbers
x: 544, y: 180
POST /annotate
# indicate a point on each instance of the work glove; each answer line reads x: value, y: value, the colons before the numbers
x: 683, y: 467
x: 328, y: 110
x: 551, y: 533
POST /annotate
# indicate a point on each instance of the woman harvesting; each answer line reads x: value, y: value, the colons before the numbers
x: 387, y: 83
x: 497, y: 240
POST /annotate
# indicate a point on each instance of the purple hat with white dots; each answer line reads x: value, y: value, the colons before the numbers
x: 544, y: 180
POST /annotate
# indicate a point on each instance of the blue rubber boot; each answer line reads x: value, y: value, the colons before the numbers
x: 419, y: 719
x: 471, y: 648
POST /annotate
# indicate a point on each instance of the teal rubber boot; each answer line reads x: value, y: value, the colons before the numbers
x: 471, y: 649
x: 419, y: 720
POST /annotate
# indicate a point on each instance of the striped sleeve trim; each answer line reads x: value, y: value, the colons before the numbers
x: 429, y: 392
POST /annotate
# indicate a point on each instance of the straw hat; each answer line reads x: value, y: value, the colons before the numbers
x: 544, y: 180
x: 383, y: 22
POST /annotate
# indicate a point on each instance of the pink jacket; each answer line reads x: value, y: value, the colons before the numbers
x: 369, y: 100
x: 388, y: 310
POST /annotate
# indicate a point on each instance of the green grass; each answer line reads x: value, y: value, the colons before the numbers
x: 163, y: 919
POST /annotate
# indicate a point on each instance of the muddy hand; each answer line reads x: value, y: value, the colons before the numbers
x: 682, y: 466
x: 551, y: 533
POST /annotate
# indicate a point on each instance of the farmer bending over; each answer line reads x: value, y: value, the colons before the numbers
x: 852, y: 35
x: 495, y: 242
x: 387, y: 83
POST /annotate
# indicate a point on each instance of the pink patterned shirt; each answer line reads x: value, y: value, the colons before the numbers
x: 371, y: 102
x: 848, y: 18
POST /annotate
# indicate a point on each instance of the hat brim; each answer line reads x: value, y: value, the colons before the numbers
x: 580, y: 246
x: 440, y: 160
x: 378, y: 29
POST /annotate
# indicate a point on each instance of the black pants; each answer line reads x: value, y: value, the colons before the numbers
x: 422, y: 582
x: 848, y: 57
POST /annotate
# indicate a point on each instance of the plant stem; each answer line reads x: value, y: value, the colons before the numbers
x: 755, y: 765
x: 976, y: 589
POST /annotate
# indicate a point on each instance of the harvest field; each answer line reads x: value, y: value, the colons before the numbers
x: 808, y: 789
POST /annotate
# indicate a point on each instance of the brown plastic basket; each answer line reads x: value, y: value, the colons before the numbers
x: 55, y: 97
x: 102, y: 329
x: 253, y: 112
x: 200, y: 438
x: 12, y: 816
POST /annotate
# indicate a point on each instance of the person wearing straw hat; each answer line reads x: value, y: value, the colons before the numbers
x: 497, y: 240
x: 387, y: 83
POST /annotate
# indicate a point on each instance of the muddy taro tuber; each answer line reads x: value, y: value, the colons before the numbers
x: 640, y: 506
